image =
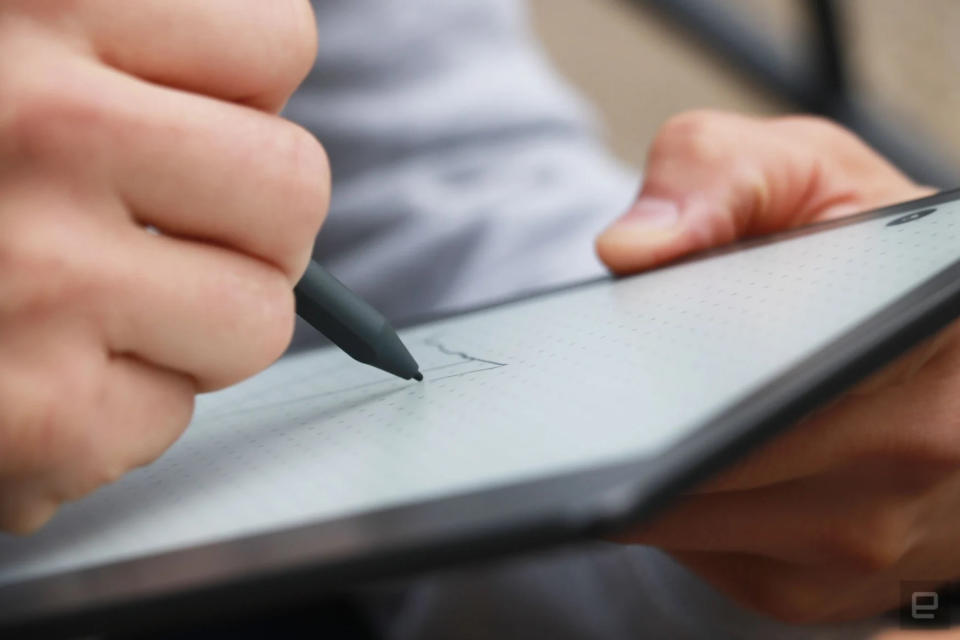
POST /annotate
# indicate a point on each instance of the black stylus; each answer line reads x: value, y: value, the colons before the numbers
x: 352, y: 324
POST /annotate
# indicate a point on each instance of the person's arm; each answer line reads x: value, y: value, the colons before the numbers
x: 155, y: 213
x: 823, y: 523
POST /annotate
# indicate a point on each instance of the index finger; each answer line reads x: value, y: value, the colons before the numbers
x: 247, y: 51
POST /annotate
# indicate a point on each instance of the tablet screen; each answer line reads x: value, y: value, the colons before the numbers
x: 590, y: 376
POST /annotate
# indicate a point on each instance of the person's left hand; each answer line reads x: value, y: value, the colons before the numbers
x: 824, y: 522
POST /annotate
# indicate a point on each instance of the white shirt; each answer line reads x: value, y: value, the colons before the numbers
x: 463, y: 169
x: 466, y: 171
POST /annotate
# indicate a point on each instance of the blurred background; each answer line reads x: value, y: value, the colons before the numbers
x: 886, y: 68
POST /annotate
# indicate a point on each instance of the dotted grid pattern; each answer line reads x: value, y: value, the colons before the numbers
x: 571, y: 380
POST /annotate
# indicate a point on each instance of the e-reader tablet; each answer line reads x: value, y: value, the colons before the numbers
x: 541, y: 421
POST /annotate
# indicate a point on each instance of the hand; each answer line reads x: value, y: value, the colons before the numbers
x: 155, y: 213
x: 824, y: 522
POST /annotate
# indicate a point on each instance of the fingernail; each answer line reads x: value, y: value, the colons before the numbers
x: 651, y: 213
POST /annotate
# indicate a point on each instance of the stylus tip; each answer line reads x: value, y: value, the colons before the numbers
x: 418, y: 376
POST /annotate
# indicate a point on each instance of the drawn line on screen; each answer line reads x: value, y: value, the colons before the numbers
x: 466, y: 373
x: 435, y: 342
x: 285, y: 404
x: 465, y: 358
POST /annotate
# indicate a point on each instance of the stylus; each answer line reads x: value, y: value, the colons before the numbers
x: 352, y: 324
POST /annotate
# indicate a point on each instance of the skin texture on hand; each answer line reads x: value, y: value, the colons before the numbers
x: 155, y: 213
x: 824, y: 522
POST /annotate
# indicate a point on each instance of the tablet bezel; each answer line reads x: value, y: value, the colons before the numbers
x: 257, y: 572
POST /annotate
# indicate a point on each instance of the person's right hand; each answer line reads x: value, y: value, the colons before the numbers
x: 155, y: 213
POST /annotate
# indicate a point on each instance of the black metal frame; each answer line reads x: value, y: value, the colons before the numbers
x: 815, y: 80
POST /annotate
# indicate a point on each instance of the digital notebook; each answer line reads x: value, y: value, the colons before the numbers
x: 596, y: 376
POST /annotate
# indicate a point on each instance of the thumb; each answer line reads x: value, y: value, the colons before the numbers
x: 714, y: 177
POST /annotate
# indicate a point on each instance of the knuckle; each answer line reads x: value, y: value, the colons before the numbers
x: 310, y: 168
x: 24, y: 293
x: 697, y: 136
x: 40, y: 276
x: 31, y: 428
x: 27, y: 127
x: 294, y: 33
x: 100, y: 473
x: 690, y: 122
x: 303, y: 39
x: 307, y: 193
x: 174, y: 421
x: 45, y: 426
x: 11, y: 283
x: 50, y: 434
x: 52, y: 117
x: 25, y: 517
x: 933, y: 440
x: 264, y: 300
x: 108, y: 459
x: 279, y: 317
x: 942, y: 444
x: 813, y: 123
x: 938, y: 448
x: 874, y: 543
x: 822, y: 131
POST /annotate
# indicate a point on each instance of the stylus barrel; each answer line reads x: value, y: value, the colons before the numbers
x: 353, y: 325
